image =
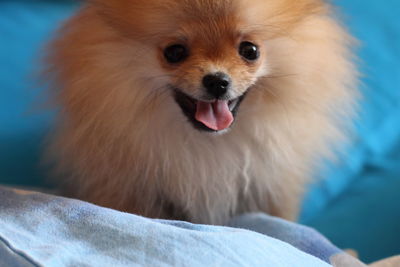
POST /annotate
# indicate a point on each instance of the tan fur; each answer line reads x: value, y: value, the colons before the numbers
x: 123, y: 142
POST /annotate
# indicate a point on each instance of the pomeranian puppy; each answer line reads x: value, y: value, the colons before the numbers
x: 199, y: 110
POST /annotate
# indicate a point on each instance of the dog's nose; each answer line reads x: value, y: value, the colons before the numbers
x: 217, y: 84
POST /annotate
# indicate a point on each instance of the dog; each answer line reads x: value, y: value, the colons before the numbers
x: 199, y: 110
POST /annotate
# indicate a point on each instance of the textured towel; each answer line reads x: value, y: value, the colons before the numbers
x: 42, y: 230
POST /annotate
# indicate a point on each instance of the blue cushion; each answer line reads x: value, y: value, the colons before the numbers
x: 25, y: 26
x: 357, y: 205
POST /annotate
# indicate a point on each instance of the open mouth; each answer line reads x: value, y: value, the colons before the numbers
x: 211, y: 116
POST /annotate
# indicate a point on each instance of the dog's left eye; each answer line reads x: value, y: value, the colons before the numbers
x: 176, y: 53
x: 249, y: 51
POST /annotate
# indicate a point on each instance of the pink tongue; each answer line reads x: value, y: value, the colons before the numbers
x: 216, y: 115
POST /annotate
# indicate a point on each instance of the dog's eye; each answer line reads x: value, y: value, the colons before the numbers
x: 176, y: 53
x: 249, y: 51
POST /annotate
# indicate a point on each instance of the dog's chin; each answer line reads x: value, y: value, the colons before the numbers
x: 188, y: 106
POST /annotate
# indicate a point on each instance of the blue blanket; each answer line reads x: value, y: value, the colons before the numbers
x: 38, y: 229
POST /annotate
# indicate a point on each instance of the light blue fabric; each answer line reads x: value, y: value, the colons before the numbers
x: 37, y: 229
x: 304, y: 238
x: 357, y: 203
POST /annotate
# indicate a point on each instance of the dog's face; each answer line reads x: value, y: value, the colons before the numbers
x: 211, y: 52
x: 212, y: 64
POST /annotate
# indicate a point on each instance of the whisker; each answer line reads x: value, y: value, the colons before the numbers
x: 281, y: 76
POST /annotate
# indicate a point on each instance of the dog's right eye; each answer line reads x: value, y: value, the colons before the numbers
x: 249, y: 51
x: 176, y: 53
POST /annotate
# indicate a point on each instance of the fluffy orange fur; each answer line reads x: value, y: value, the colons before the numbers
x: 123, y: 142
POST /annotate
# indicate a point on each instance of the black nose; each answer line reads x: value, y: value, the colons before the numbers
x: 217, y: 84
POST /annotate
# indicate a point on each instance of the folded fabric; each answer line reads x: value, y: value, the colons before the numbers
x: 42, y: 230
